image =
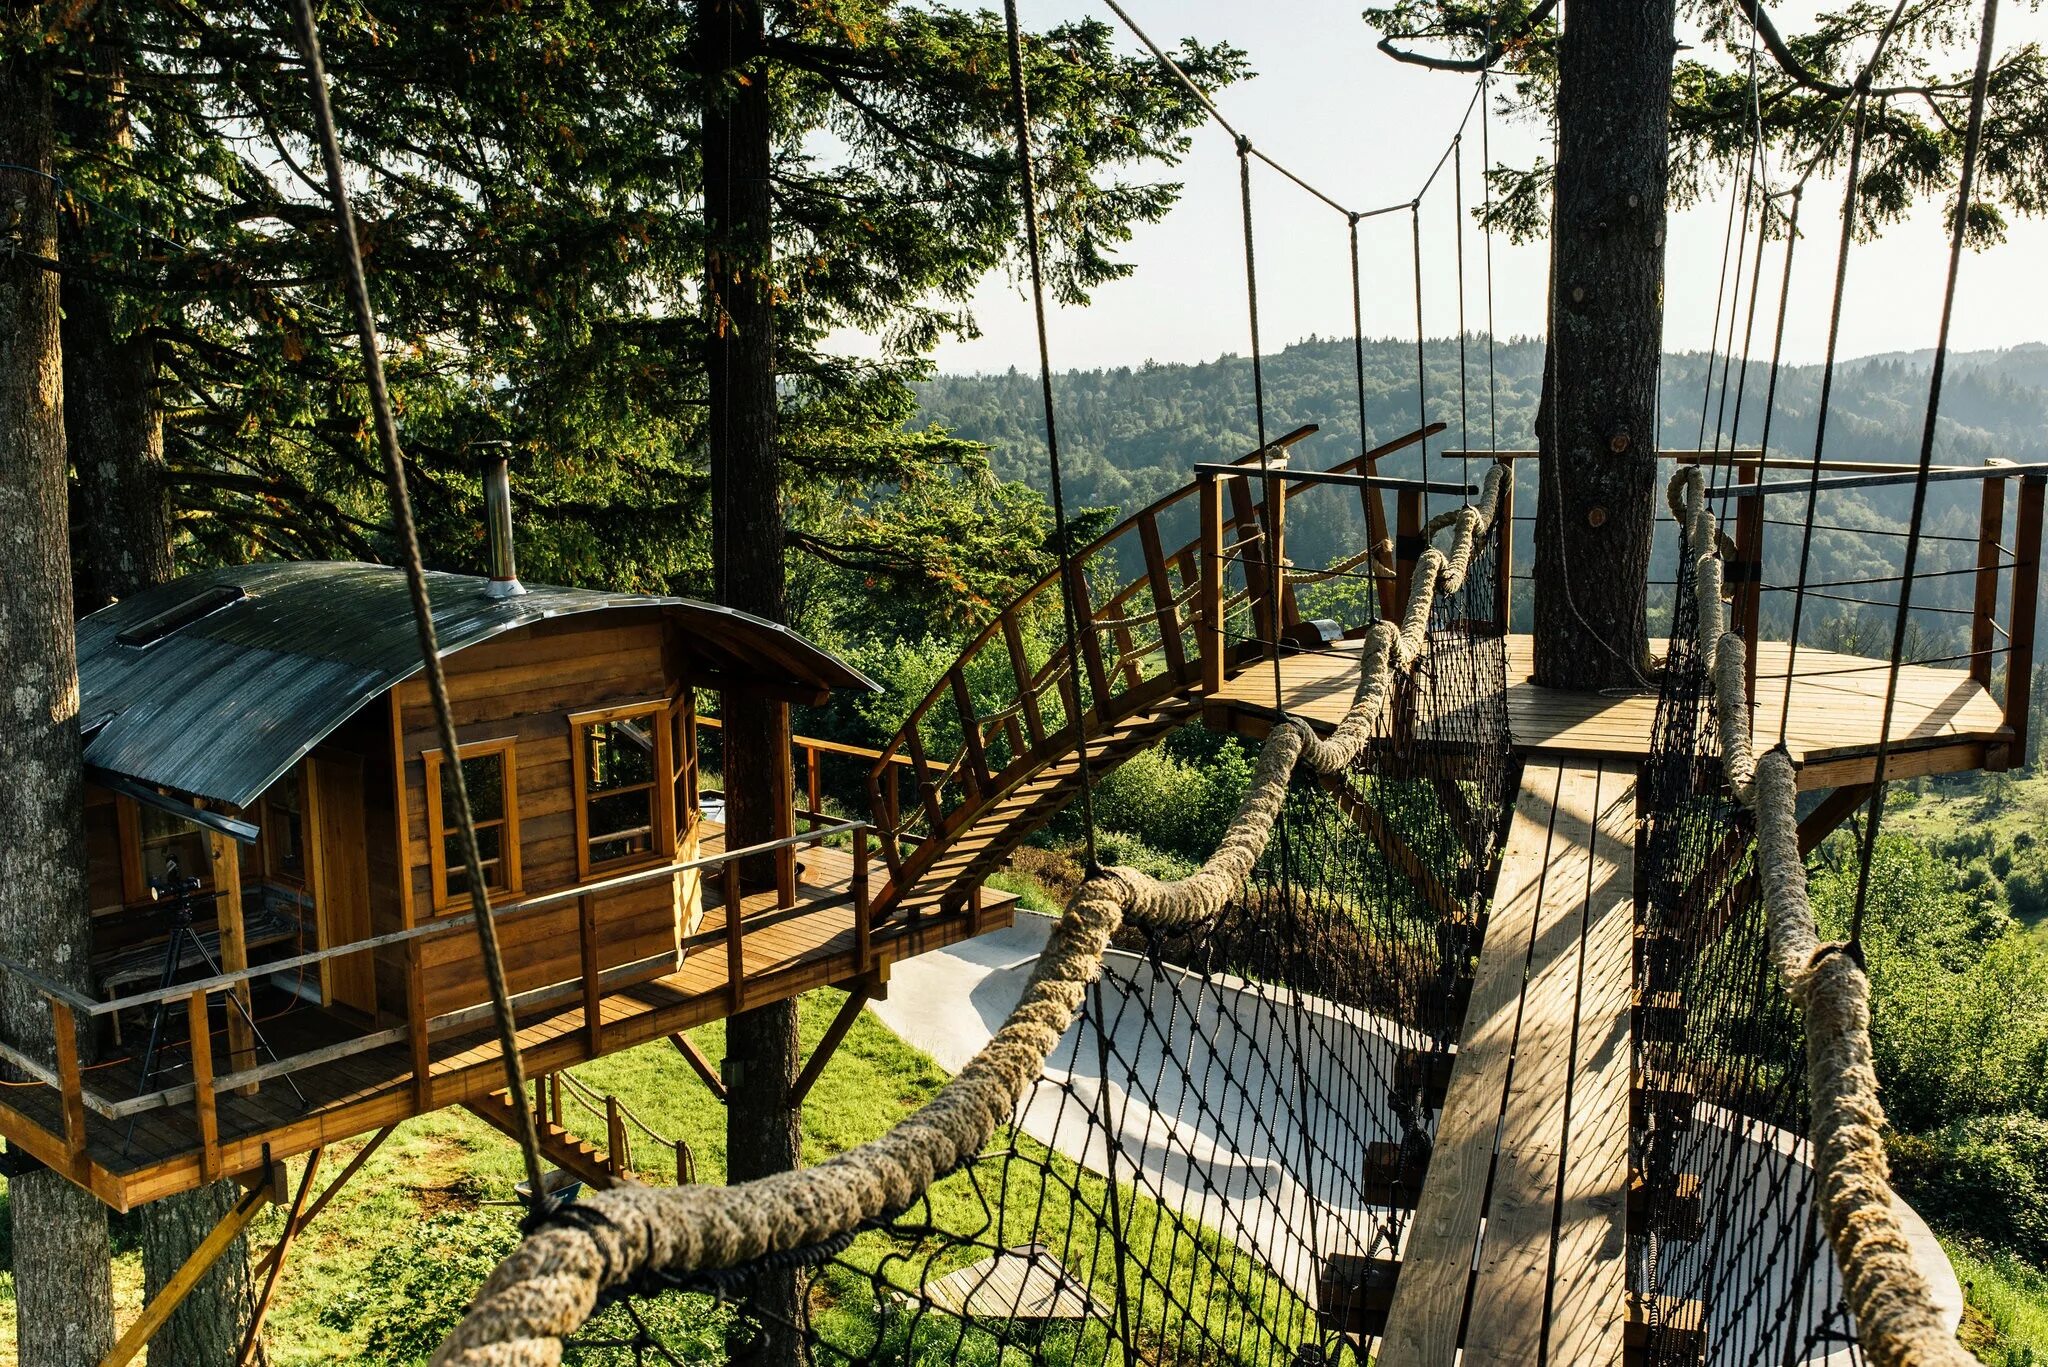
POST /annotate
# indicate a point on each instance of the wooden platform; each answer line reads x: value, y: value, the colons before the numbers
x: 1517, y: 1250
x: 786, y: 952
x: 1944, y: 722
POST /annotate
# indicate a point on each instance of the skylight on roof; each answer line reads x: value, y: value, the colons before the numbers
x: 177, y: 617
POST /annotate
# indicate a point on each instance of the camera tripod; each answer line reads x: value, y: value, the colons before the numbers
x: 183, y: 909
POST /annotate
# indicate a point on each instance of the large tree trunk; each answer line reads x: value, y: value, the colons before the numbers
x: 123, y: 536
x: 1596, y: 425
x: 762, y: 1128
x: 64, y: 1298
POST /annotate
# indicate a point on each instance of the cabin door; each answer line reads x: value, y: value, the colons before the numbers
x: 339, y: 872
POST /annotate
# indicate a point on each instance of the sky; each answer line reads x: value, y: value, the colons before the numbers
x: 1368, y: 130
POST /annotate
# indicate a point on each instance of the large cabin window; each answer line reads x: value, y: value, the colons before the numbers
x: 625, y: 798
x: 490, y: 769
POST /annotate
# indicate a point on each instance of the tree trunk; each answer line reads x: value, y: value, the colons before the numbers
x: 63, y: 1293
x: 1596, y: 424
x: 762, y: 1127
x: 117, y: 449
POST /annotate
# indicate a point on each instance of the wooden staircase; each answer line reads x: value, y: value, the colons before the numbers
x: 572, y: 1155
x: 554, y: 1093
x: 1149, y: 653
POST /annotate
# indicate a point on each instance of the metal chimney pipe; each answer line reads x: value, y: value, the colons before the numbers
x: 504, y: 581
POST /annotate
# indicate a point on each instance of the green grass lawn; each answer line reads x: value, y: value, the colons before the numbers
x: 2006, y: 1319
x: 392, y: 1261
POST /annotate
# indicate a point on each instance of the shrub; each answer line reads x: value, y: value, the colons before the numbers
x: 1986, y: 1176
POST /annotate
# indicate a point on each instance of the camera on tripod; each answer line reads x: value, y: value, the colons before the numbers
x: 183, y: 893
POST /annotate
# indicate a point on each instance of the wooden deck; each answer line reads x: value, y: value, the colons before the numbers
x: 1517, y: 1250
x: 786, y: 952
x: 1945, y: 721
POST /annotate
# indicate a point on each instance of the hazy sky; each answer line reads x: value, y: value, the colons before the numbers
x: 1368, y: 129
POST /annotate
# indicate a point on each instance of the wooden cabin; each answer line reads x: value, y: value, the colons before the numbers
x: 263, y: 761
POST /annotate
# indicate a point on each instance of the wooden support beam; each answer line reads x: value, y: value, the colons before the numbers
x: 593, y: 980
x: 699, y: 1064
x: 202, y: 1085
x: 1504, y: 551
x: 2026, y: 609
x: 1399, y: 853
x: 1748, y: 574
x: 849, y: 1012
x: 735, y: 952
x: 1408, y: 546
x: 1834, y: 809
x: 1984, y: 613
x: 70, y: 1086
x: 294, y: 1221
x: 1210, y: 646
x: 332, y: 1190
x: 186, y: 1277
x: 225, y: 857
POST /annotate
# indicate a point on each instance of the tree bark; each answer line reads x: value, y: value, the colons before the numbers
x: 763, y: 1131
x: 116, y: 435
x: 1596, y: 424
x: 63, y: 1293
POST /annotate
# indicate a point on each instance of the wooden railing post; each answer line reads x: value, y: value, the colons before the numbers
x: 1407, y: 546
x: 1284, y: 611
x: 1163, y: 607
x: 974, y: 774
x: 685, y: 1169
x: 1209, y: 644
x: 2026, y: 609
x: 1984, y: 612
x: 619, y: 1160
x: 814, y: 790
x: 735, y: 957
x: 1748, y: 572
x: 70, y: 1085
x: 593, y: 983
x: 202, y: 1085
x: 1020, y: 665
x: 419, y: 1041
x: 863, y: 929
x: 1373, y: 500
x: 1504, y: 551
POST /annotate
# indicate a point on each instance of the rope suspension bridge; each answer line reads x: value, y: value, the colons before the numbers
x: 1497, y: 1024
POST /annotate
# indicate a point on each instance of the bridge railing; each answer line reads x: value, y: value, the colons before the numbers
x: 1018, y: 697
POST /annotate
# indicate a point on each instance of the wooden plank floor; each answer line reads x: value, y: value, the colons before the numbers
x: 1943, y: 722
x: 787, y: 952
x: 1517, y: 1250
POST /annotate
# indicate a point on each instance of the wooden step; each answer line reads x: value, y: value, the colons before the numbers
x: 589, y: 1163
x: 1389, y: 1181
x: 1353, y: 1293
x: 1680, y: 1332
x: 1673, y: 1209
x: 1660, y: 1017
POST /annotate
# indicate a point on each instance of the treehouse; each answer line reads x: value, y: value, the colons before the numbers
x: 283, y: 951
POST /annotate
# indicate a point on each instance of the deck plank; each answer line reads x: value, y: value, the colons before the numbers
x: 1424, y: 1318
x: 1511, y: 1284
x: 1589, y: 1292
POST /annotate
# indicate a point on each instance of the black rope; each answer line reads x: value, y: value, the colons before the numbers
x: 1973, y: 141
x: 1274, y: 501
x: 422, y: 608
x: 1069, y: 585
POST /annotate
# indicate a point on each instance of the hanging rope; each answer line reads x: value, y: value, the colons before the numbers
x: 1896, y: 1319
x: 422, y: 608
x: 1070, y: 584
x: 1421, y: 375
x: 1275, y: 507
x: 1458, y: 236
x: 1973, y: 142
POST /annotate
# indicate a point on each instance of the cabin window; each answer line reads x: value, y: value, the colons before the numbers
x: 491, y: 771
x: 682, y: 722
x: 283, y: 842
x: 625, y: 775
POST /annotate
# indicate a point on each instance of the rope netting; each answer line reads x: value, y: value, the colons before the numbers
x: 1196, y: 1134
x: 1759, y: 1142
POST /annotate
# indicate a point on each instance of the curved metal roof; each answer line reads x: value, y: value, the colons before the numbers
x: 218, y: 682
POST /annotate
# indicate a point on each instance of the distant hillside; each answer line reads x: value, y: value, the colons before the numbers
x: 1131, y: 434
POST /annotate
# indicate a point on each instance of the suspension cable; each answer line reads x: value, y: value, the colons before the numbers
x: 1486, y: 221
x: 1273, y: 500
x: 541, y: 1199
x: 1827, y: 385
x: 1367, y: 495
x: 1973, y: 141
x: 1069, y: 585
x: 1458, y: 236
x: 1421, y: 372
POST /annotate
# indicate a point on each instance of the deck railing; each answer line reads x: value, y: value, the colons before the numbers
x: 1148, y: 595
x: 70, y: 1008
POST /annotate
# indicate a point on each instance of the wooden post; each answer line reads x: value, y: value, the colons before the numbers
x: 974, y: 775
x: 735, y: 956
x: 186, y: 1277
x: 1284, y: 611
x: 785, y: 810
x: 1162, y: 597
x: 295, y: 1220
x: 686, y: 1171
x: 1504, y: 552
x: 1373, y: 500
x: 1020, y: 665
x: 70, y: 1086
x: 863, y: 929
x: 1248, y: 525
x: 234, y: 948
x: 202, y: 1085
x: 1407, y: 545
x: 814, y: 790
x: 418, y: 1039
x: 1749, y: 576
x: 2026, y: 608
x: 593, y: 977
x: 1984, y: 614
x: 1209, y: 644
x: 615, y: 1138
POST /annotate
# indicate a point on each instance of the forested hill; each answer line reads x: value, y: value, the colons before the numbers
x: 1130, y: 434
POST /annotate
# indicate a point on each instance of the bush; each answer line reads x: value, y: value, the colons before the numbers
x: 1175, y: 801
x: 1986, y: 1177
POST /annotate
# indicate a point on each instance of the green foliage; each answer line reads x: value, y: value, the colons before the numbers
x: 1176, y: 797
x: 1987, y: 1174
x: 1959, y: 999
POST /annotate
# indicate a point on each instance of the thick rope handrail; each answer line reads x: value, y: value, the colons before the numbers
x: 1897, y: 1320
x: 554, y: 1280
